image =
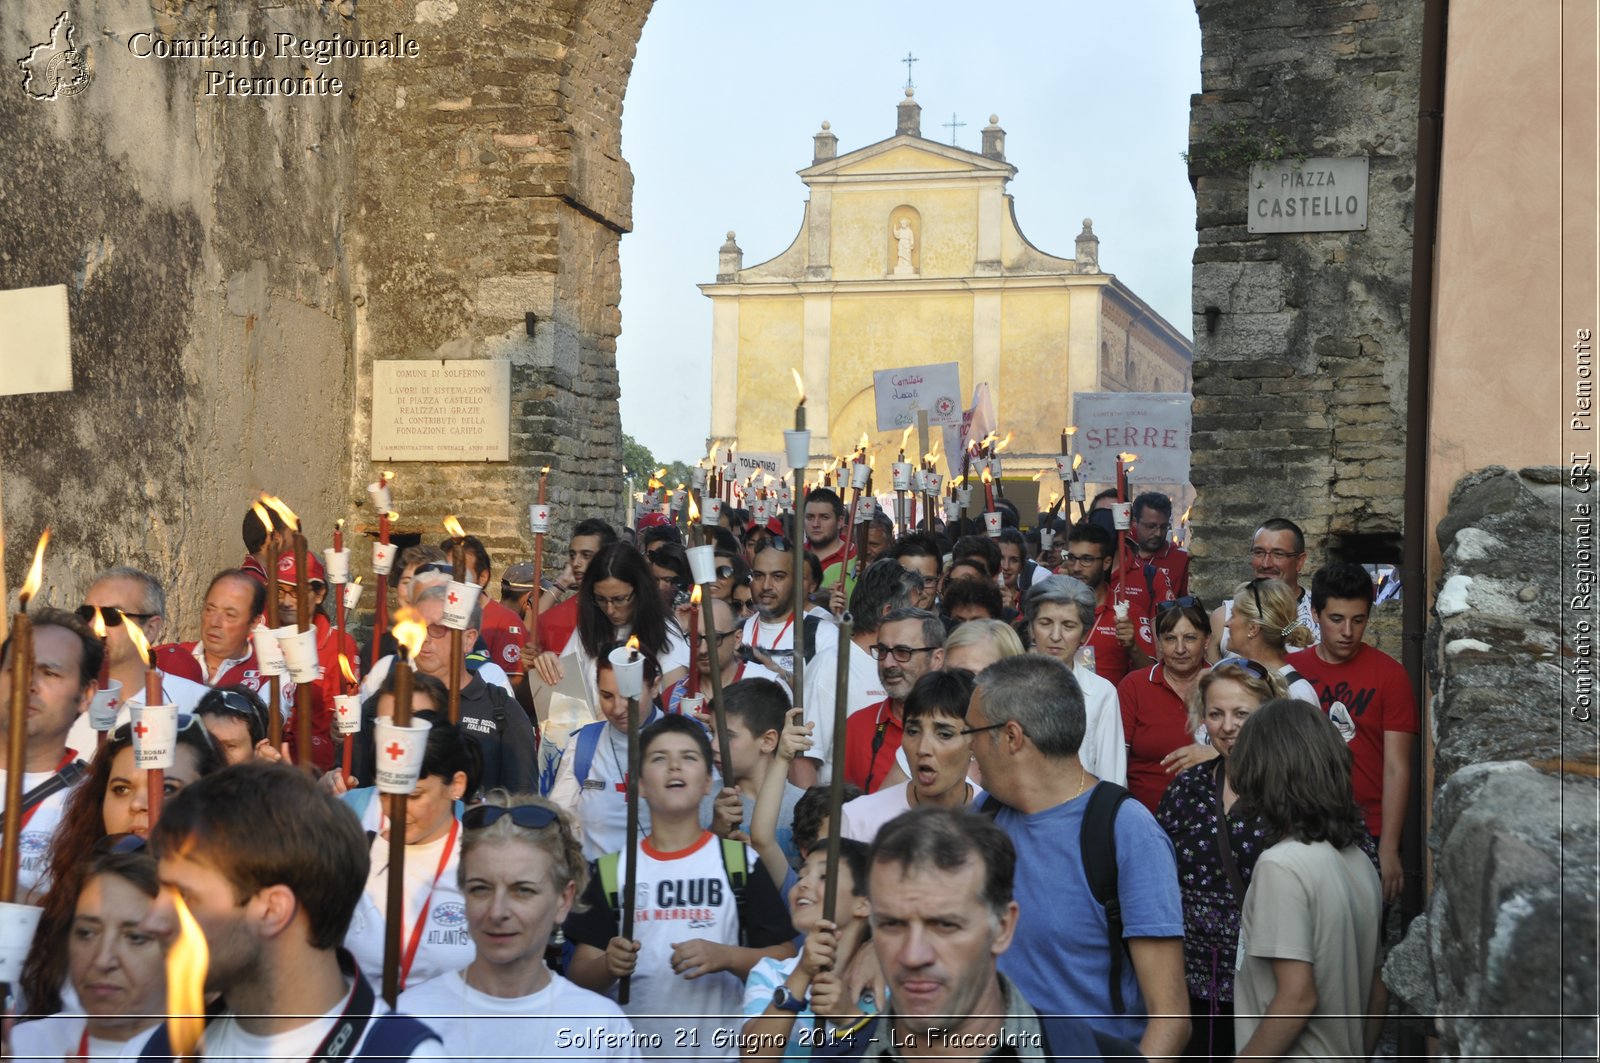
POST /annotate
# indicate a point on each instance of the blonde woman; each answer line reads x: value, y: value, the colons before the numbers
x: 1264, y: 624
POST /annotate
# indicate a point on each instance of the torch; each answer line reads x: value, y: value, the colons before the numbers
x: 628, y: 667
x: 841, y: 697
x: 98, y: 625
x: 409, y: 632
x: 346, y: 737
x: 274, y: 683
x: 155, y: 778
x: 302, y: 623
x: 384, y: 501
x: 336, y: 588
x: 797, y: 443
x: 458, y: 572
x: 17, y: 725
x: 538, y: 561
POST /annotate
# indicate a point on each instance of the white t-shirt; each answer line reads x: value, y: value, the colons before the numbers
x: 862, y: 818
x: 758, y: 633
x: 561, y: 1021
x: 33, y: 843
x: 56, y: 1038
x: 1104, y: 752
x: 822, y: 683
x: 184, y: 693
x: 445, y: 944
x: 226, y: 1041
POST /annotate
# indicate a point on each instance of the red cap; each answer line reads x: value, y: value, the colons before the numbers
x: 775, y: 526
x: 653, y: 520
x: 287, y: 573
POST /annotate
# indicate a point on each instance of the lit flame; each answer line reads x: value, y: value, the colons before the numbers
x: 694, y: 595
x: 338, y: 525
x: 1126, y: 457
x: 986, y: 477
x: 659, y: 473
x: 187, y: 962
x: 358, y: 581
x: 1003, y: 444
x: 986, y: 440
x: 633, y: 648
x: 285, y: 514
x: 545, y: 471
x: 453, y: 526
x: 1038, y: 476
x: 384, y: 478
x: 140, y: 643
x: 409, y: 630
x: 99, y: 624
x: 799, y: 385
x: 393, y: 516
x: 344, y: 666
x: 30, y: 586
x: 1077, y: 460
x: 862, y: 446
x: 905, y: 437
x: 263, y: 516
x: 1070, y: 431
x: 694, y: 510
x: 932, y: 455
x: 1051, y: 504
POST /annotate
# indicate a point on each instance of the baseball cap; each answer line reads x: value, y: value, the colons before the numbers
x: 653, y: 520
x: 518, y: 577
x: 288, y: 574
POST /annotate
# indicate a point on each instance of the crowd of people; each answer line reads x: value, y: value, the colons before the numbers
x: 1085, y: 815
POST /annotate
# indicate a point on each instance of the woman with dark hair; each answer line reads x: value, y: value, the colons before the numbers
x: 521, y: 871
x: 1155, y: 717
x: 619, y: 598
x: 116, y: 967
x: 669, y: 564
x: 432, y: 930
x: 114, y: 799
x: 1308, y: 935
x: 1194, y: 811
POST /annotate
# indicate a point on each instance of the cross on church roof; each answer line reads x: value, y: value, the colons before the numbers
x: 908, y: 60
x: 953, y: 125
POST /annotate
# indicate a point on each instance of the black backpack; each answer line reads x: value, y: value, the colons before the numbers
x: 1097, y: 841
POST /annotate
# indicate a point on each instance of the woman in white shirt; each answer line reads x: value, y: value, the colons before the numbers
x: 433, y: 934
x: 521, y: 870
x: 115, y: 965
x: 1060, y: 612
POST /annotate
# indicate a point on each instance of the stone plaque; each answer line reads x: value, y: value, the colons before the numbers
x: 441, y: 410
x: 1308, y: 196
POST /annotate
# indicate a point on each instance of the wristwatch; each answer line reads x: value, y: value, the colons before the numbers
x: 782, y: 998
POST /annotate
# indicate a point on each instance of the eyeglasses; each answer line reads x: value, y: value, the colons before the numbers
x: 621, y: 601
x: 980, y: 730
x: 124, y: 732
x: 111, y: 614
x: 900, y: 653
x: 119, y: 844
x: 1081, y: 559
x: 438, y: 631
x: 1280, y: 556
x: 1186, y: 602
x: 720, y: 635
x: 532, y: 817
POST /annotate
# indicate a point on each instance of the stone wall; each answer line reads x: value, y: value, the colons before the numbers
x: 1300, y: 339
x: 1509, y: 933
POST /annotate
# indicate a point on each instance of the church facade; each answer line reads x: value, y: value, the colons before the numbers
x: 910, y: 254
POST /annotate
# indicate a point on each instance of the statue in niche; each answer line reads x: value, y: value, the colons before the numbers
x: 905, y: 241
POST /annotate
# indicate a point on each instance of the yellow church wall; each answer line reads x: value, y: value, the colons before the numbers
x: 771, y: 333
x: 1033, y: 369
x: 905, y: 159
x: 946, y: 239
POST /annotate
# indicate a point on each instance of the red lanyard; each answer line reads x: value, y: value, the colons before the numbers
x: 83, y: 1045
x: 422, y: 916
x: 755, y: 636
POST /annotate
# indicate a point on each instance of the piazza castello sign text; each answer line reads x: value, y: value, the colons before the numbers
x: 1308, y: 196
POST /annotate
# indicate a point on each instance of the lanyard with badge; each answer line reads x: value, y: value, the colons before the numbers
x: 427, y: 902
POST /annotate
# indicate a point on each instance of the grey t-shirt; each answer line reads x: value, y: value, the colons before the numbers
x: 791, y: 794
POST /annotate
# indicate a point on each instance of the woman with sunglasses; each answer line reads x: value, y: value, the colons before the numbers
x: 433, y: 936
x: 114, y: 963
x: 1194, y: 811
x: 113, y: 800
x: 1264, y: 622
x: 521, y: 871
x: 1155, y: 717
x: 619, y: 598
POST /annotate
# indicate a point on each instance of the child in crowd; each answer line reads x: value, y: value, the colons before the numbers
x: 755, y: 709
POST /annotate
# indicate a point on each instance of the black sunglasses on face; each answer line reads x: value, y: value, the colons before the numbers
x: 532, y: 817
x: 110, y: 614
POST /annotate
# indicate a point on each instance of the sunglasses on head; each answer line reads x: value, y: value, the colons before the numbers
x: 1190, y: 601
x: 111, y: 614
x: 234, y: 704
x: 1248, y: 665
x: 532, y: 817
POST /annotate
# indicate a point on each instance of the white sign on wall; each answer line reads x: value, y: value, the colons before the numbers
x: 441, y: 410
x: 1308, y: 196
x: 900, y: 393
x: 1153, y: 425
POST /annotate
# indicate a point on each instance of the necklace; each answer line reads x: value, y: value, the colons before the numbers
x: 1083, y: 779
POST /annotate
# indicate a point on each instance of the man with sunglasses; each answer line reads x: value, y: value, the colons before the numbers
x: 66, y: 662
x: 1121, y: 643
x: 726, y: 639
x: 1278, y: 551
x: 910, y: 644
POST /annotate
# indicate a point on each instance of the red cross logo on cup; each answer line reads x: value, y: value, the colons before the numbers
x: 452, y: 599
x: 395, y: 750
x: 140, y: 729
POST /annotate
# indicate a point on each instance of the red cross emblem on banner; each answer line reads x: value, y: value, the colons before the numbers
x: 140, y: 729
x: 395, y: 750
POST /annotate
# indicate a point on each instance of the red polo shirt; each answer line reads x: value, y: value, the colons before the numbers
x: 1110, y: 656
x: 502, y: 632
x: 877, y: 726
x: 1169, y: 580
x: 557, y: 624
x: 1154, y: 723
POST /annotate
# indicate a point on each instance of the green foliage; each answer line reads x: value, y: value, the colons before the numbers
x: 1236, y: 146
x: 637, y: 459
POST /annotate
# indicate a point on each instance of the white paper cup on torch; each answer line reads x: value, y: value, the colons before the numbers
x: 703, y: 564
x: 697, y: 478
x: 1047, y: 538
x: 759, y: 511
x: 628, y: 664
x: 383, y: 558
x: 932, y: 483
x: 539, y: 518
x: 103, y: 709
x: 952, y: 510
x: 337, y: 563
x: 991, y: 524
x: 867, y: 510
x: 1076, y: 490
x: 901, y: 473
x: 459, y: 598
x: 347, y: 714
x: 269, y: 654
x: 797, y: 447
x: 860, y: 472
x: 1122, y: 515
x: 399, y: 758
x: 680, y: 500
x: 352, y: 595
x: 964, y: 496
x: 17, y: 925
x: 300, y: 655
x: 382, y: 501
x: 155, y: 736
x: 693, y: 705
x: 711, y: 513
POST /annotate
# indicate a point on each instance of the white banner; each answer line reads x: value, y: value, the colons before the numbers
x: 1153, y: 425
x: 900, y: 393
